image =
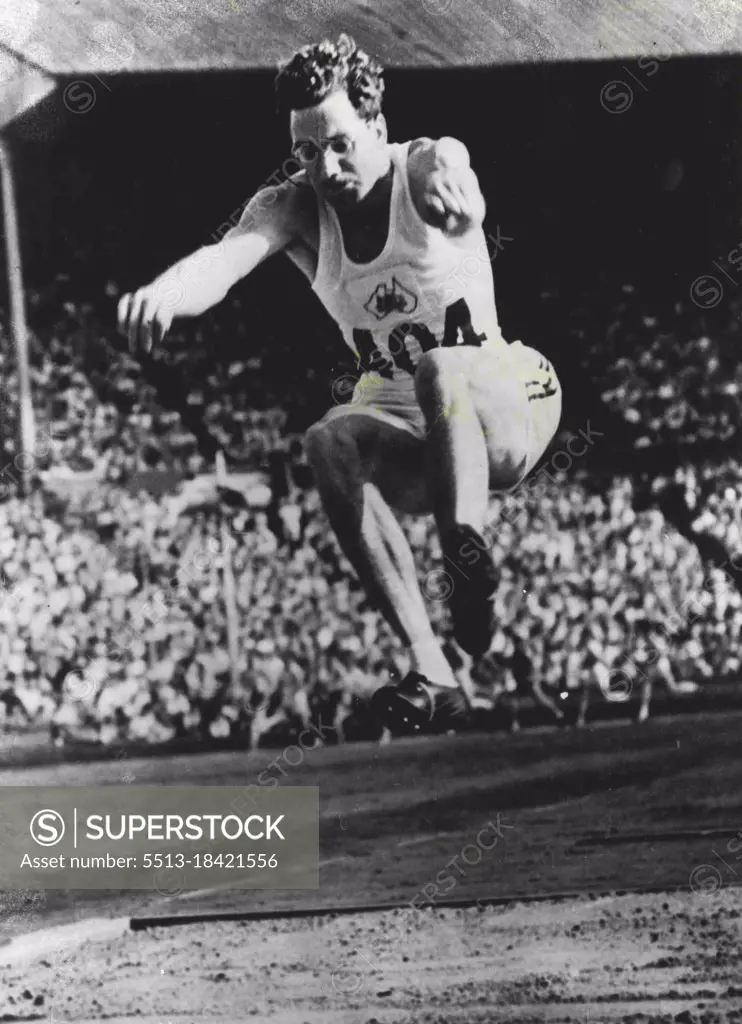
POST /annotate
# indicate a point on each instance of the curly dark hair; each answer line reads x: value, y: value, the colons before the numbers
x: 319, y: 69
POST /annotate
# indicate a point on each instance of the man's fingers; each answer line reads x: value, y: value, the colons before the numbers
x: 145, y: 331
x: 449, y: 197
x: 153, y: 336
x: 144, y: 321
x: 132, y: 326
x: 124, y: 310
x: 438, y: 205
x: 457, y: 192
x: 158, y: 330
x: 148, y: 324
x: 462, y: 198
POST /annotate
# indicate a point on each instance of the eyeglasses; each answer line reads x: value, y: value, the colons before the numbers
x: 307, y: 152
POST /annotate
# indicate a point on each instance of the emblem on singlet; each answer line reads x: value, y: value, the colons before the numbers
x: 391, y: 298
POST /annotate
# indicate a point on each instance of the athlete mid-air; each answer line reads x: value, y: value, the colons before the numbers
x: 390, y: 237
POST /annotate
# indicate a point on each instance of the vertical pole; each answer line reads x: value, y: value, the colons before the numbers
x: 19, y: 329
x: 230, y: 591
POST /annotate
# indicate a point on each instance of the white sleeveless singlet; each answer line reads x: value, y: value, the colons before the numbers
x: 422, y: 291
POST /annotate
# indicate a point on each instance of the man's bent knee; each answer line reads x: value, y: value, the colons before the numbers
x: 344, y: 448
x: 499, y: 401
x: 316, y: 443
x: 329, y: 443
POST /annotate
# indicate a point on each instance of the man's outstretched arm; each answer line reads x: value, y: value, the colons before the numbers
x: 202, y: 280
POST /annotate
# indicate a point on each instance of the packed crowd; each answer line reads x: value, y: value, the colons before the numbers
x: 112, y: 610
x: 114, y: 623
x: 211, y: 388
x: 663, y: 366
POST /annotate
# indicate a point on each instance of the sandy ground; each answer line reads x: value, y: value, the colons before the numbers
x: 625, y: 958
x: 391, y: 818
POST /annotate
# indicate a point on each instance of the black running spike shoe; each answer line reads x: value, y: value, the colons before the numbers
x: 473, y: 586
x: 415, y: 707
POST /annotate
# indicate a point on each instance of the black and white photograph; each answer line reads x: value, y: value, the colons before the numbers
x: 371, y: 511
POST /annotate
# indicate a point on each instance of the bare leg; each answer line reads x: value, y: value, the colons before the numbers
x: 477, y: 420
x: 545, y: 701
x: 462, y: 665
x: 673, y: 687
x: 347, y: 454
x: 342, y: 714
x: 646, y: 700
x: 477, y: 417
x: 456, y: 457
x: 262, y: 723
x: 514, y: 714
x: 584, y: 702
x: 301, y: 708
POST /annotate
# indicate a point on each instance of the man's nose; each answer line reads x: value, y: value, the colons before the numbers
x: 329, y: 164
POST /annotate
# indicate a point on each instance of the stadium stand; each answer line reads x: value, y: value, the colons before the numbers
x: 113, y: 624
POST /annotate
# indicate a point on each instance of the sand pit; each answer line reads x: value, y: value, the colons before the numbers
x: 631, y: 958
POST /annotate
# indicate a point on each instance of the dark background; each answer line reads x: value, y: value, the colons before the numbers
x: 161, y: 160
x: 593, y: 200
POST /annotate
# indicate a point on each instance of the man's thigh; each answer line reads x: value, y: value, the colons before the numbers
x: 391, y: 452
x: 518, y: 401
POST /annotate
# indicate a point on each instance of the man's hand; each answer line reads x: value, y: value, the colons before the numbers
x: 451, y: 196
x: 145, y: 316
x: 446, y: 188
x: 269, y: 223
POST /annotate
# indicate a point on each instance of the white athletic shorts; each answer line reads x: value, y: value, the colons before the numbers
x: 395, y: 402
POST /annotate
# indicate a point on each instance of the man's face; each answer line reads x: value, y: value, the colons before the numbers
x: 344, y: 156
